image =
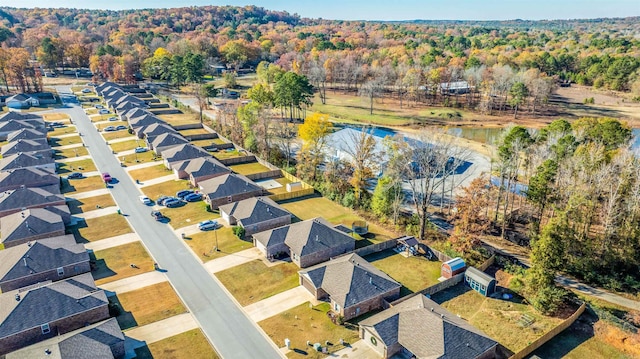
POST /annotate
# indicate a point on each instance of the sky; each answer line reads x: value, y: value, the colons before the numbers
x: 387, y: 9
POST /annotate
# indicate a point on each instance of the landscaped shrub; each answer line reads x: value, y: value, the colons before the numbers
x: 238, y: 231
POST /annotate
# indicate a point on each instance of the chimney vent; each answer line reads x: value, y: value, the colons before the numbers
x: 24, y: 260
x: 17, y: 297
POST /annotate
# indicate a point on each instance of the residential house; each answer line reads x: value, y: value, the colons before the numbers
x: 180, y: 153
x: 228, y: 188
x: 256, y: 214
x: 44, y: 311
x: 21, y: 101
x: 26, y: 160
x: 307, y: 243
x: 16, y: 200
x: 103, y: 340
x: 352, y: 285
x: 28, y: 177
x: 142, y: 121
x: 29, y: 225
x: 420, y: 328
x: 26, y: 146
x: 26, y: 134
x: 105, y: 86
x: 135, y: 112
x: 156, y: 129
x: 48, y: 259
x: 124, y: 107
x: 11, y: 115
x: 200, y: 169
x: 6, y: 127
x: 165, y: 141
x: 341, y: 143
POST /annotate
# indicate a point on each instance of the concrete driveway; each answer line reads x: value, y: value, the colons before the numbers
x: 278, y: 303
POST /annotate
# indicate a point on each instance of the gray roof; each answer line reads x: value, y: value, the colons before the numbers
x: 28, y: 198
x: 227, y: 185
x: 254, y: 210
x: 41, y: 256
x: 29, y: 223
x: 168, y: 139
x: 105, y: 85
x: 21, y: 159
x: 305, y: 237
x: 14, y: 125
x: 48, y: 303
x: 157, y: 129
x: 350, y: 280
x: 144, y: 120
x: 19, y: 97
x: 136, y: 112
x: 427, y: 330
x: 93, y: 341
x: 12, y: 115
x: 203, y: 166
x: 479, y: 276
x: 25, y: 146
x: 185, y: 151
x: 28, y: 177
x: 26, y: 134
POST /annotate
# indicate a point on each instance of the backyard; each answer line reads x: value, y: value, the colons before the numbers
x: 144, y: 174
x: 95, y: 229
x: 180, y: 119
x: 81, y: 184
x: 414, y: 273
x: 301, y: 324
x: 194, y: 131
x: 89, y: 204
x: 188, y: 345
x: 254, y: 281
x: 249, y: 168
x: 115, y: 263
x: 136, y: 308
x: 203, y: 243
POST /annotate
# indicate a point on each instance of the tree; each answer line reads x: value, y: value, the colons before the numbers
x: 230, y: 80
x: 314, y: 133
x: 384, y: 197
x: 261, y: 94
x: 292, y: 91
x: 364, y: 156
x: 519, y: 93
x: 193, y: 65
x: 248, y: 116
x: 236, y: 53
x: 371, y: 90
x: 318, y: 76
x: 285, y: 135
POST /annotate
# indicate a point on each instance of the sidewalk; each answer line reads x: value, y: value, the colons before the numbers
x: 72, y: 159
x: 136, y: 282
x: 143, y: 165
x: 69, y: 146
x: 278, y: 303
x: 112, y: 241
x: 97, y: 213
x: 154, y: 332
x: 81, y: 195
x: 124, y: 139
x: 357, y: 350
x: 153, y: 181
x: 232, y: 260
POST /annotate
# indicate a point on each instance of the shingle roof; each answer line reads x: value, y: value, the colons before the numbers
x: 183, y: 152
x: 144, y: 120
x: 254, y: 210
x: 93, y: 341
x: 203, y: 166
x: 19, y: 97
x: 29, y: 223
x: 428, y: 331
x: 103, y: 86
x: 227, y: 185
x: 26, y: 134
x: 21, y: 159
x: 350, y: 280
x: 27, y: 198
x: 479, y: 276
x: 25, y: 146
x: 14, y: 125
x: 272, y: 237
x: 28, y: 177
x: 12, y: 115
x: 136, y: 112
x: 40, y: 256
x: 48, y: 303
x: 168, y: 139
x: 157, y: 129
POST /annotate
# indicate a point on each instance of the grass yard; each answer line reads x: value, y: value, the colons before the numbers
x: 136, y: 158
x: 102, y: 125
x: 85, y: 165
x: 202, y: 143
x: 219, y: 141
x: 180, y: 119
x: 249, y: 168
x: 302, y: 323
x: 126, y: 145
x: 187, y: 345
x: 71, y: 152
x: 115, y: 263
x: 254, y: 281
x: 225, y: 154
x: 105, y: 117
x: 202, y: 243
x: 91, y: 110
x: 144, y: 174
x: 190, y: 213
x: 315, y: 206
x: 64, y: 141
x: 136, y: 308
x: 55, y: 116
x: 66, y: 129
x: 89, y: 204
x: 168, y: 188
x: 413, y: 273
x: 108, y: 136
x: 95, y: 229
x: 496, y: 317
x: 194, y: 131
x: 82, y: 184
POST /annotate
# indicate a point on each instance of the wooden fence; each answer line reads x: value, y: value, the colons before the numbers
x: 441, y: 256
x: 266, y: 174
x: 549, y: 335
x: 237, y: 160
x: 187, y: 126
x: 377, y: 247
x: 434, y: 288
x: 291, y: 195
x: 483, y: 267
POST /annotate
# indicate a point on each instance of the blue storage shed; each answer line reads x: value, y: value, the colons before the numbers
x: 480, y: 281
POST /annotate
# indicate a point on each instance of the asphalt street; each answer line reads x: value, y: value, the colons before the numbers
x: 230, y: 331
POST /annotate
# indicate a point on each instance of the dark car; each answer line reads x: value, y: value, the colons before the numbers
x: 172, y: 203
x: 157, y: 215
x: 193, y: 197
x: 161, y: 199
x: 121, y: 127
x: 74, y: 175
x: 184, y: 192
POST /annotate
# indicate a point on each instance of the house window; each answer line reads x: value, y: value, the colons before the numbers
x: 60, y: 272
x: 45, y: 328
x: 336, y: 307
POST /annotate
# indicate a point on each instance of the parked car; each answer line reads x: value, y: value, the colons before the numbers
x: 193, y: 197
x: 106, y: 177
x: 56, y: 124
x: 109, y: 129
x: 184, y: 192
x: 103, y: 111
x: 207, y: 225
x: 145, y: 200
x: 141, y: 149
x: 99, y: 106
x: 74, y: 175
x: 121, y: 127
x: 86, y: 90
x: 113, y: 118
x: 161, y: 199
x: 157, y: 215
x: 173, y: 203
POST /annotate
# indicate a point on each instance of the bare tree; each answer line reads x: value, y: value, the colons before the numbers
x: 364, y: 155
x: 372, y: 89
x: 318, y: 76
x: 284, y: 137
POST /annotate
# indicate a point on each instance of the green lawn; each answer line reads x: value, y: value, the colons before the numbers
x: 136, y: 158
x: 95, y: 229
x: 55, y: 116
x: 81, y: 184
x: 301, y: 324
x: 108, y: 136
x: 180, y: 119
x: 413, y: 273
x: 219, y: 141
x: 202, y: 143
x: 127, y: 145
x: 62, y: 131
x: 254, y: 281
x: 115, y: 263
x: 249, y: 168
x: 137, y: 310
x: 316, y: 206
x: 148, y: 173
x: 71, y: 152
x: 194, y: 131
x: 89, y: 204
x: 203, y: 243
x: 224, y: 154
x: 190, y: 213
x: 168, y: 188
x: 91, y: 110
x: 188, y: 345
x: 85, y: 165
x: 72, y: 140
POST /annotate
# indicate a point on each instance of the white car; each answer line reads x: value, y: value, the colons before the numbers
x: 99, y: 106
x: 103, y: 111
x: 145, y: 200
x: 113, y: 118
x: 207, y: 225
x: 141, y: 149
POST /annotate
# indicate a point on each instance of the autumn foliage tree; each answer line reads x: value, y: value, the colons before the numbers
x: 314, y: 134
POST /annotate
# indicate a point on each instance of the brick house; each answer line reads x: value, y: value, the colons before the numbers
x: 351, y: 284
x: 256, y: 214
x: 28, y: 177
x: 26, y: 160
x: 45, y: 311
x: 200, y: 169
x: 180, y: 153
x: 165, y: 141
x: 16, y: 200
x: 29, y: 225
x: 228, y: 188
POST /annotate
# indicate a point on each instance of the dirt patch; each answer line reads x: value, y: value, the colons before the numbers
x: 625, y: 341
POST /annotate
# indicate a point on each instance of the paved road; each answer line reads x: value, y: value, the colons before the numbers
x: 232, y: 333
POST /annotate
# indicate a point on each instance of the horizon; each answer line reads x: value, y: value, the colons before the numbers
x: 377, y: 10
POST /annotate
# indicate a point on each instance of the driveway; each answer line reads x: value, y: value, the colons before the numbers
x: 278, y: 303
x: 231, y: 332
x: 233, y: 259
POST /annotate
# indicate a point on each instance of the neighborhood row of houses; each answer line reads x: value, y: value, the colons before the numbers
x: 49, y: 303
x: 329, y: 268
